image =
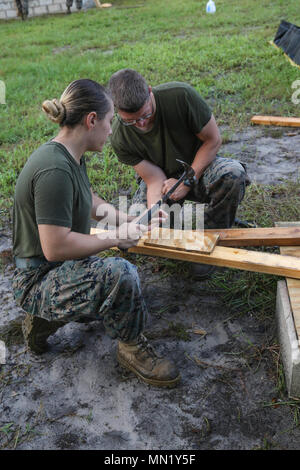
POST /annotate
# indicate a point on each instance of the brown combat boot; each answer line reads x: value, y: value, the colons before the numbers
x: 140, y: 357
x: 36, y: 330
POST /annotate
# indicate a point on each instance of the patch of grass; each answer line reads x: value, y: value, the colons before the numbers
x: 169, y: 267
x: 107, y: 179
x: 281, y: 385
x: 267, y: 444
x: 246, y: 292
x: 275, y: 133
x: 14, y: 435
x: 180, y: 331
x: 12, y: 333
x: 6, y: 429
x: 267, y: 204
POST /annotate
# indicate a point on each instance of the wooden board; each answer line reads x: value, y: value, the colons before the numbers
x: 272, y: 236
x: 269, y: 263
x: 187, y: 240
x: 293, y: 285
x: 276, y: 121
x: 102, y: 5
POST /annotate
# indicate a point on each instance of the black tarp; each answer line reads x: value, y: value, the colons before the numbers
x: 288, y: 39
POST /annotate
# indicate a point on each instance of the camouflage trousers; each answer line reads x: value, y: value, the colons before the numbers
x: 69, y: 4
x: 89, y: 289
x: 221, y: 188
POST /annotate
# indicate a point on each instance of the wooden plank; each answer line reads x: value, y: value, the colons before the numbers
x: 187, y: 240
x: 205, y: 242
x: 293, y: 285
x: 269, y: 263
x: 276, y: 121
x: 271, y: 236
x: 102, y: 5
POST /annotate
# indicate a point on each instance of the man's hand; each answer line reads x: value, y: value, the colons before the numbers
x: 179, y: 193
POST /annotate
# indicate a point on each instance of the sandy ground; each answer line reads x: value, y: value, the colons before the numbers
x: 76, y: 397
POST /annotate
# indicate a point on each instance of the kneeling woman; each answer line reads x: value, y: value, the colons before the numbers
x: 58, y: 278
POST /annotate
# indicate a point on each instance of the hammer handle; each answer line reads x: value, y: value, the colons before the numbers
x: 145, y: 220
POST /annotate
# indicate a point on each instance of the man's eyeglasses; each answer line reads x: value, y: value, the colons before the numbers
x: 132, y: 122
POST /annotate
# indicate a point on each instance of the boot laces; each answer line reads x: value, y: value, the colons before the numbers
x: 145, y: 346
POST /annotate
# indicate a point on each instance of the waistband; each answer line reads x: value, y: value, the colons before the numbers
x: 33, y: 262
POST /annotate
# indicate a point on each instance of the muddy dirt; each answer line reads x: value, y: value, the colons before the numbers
x: 272, y: 153
x: 76, y: 397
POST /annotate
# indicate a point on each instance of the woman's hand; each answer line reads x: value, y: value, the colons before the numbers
x: 125, y: 236
x: 128, y: 234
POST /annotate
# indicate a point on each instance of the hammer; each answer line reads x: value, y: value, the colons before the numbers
x: 188, y: 174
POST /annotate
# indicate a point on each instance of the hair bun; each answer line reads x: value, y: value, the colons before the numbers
x: 55, y: 110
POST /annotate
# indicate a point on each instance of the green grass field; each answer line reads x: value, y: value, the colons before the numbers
x: 226, y: 57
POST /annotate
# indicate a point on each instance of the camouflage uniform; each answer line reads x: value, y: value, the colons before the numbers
x: 22, y: 6
x: 221, y: 188
x: 88, y: 289
x: 69, y: 4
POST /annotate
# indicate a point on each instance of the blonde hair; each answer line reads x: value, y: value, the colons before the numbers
x: 79, y: 98
x: 55, y: 110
